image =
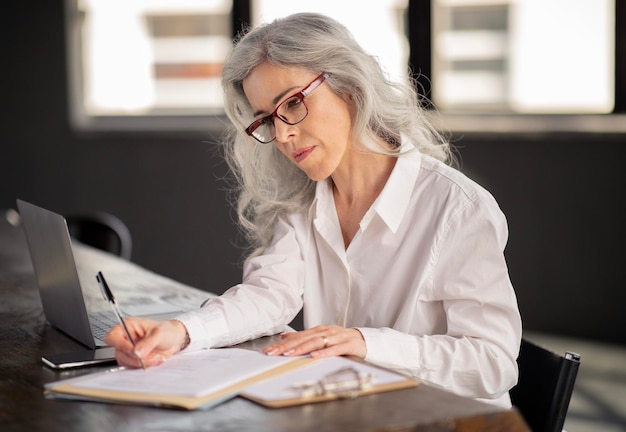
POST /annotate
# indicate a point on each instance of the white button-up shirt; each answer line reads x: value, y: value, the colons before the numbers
x: 424, y: 280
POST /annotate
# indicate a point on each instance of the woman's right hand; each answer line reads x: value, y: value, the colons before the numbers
x: 155, y: 341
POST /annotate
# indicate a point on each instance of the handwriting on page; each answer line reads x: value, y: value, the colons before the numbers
x: 190, y: 374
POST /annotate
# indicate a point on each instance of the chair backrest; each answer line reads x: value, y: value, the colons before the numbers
x: 545, y: 386
x: 101, y: 230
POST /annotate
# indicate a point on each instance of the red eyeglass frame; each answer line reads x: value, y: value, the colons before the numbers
x: 300, y: 95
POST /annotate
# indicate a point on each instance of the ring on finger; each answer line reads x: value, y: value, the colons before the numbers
x: 325, y: 340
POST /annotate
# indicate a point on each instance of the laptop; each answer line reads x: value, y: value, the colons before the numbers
x: 70, y: 294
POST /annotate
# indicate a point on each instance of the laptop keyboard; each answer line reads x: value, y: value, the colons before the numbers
x: 101, y: 323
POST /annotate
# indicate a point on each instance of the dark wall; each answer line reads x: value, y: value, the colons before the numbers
x: 166, y: 187
x: 563, y: 197
x: 562, y: 194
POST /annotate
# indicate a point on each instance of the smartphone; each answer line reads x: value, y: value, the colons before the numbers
x: 80, y: 358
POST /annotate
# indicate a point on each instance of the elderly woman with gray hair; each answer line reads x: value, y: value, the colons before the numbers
x: 354, y: 214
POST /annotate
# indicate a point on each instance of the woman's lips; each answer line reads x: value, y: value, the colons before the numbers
x: 302, y: 154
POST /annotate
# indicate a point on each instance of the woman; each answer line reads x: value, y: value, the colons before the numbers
x: 353, y: 213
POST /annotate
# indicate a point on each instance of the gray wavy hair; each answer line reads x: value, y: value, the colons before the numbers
x: 267, y: 184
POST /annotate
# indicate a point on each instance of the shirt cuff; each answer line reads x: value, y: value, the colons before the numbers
x: 206, y: 327
x: 391, y: 349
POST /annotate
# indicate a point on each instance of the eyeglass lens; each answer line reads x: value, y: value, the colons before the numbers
x: 291, y: 111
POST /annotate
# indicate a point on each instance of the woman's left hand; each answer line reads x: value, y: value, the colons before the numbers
x: 320, y: 341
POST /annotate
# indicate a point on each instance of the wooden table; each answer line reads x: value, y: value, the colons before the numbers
x: 25, y: 337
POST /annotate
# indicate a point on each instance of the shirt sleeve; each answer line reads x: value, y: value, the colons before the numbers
x: 476, y: 357
x: 265, y: 302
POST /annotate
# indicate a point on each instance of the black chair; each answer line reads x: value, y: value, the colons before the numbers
x: 545, y: 386
x: 101, y: 230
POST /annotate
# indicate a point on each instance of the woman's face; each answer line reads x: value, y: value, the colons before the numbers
x: 318, y: 143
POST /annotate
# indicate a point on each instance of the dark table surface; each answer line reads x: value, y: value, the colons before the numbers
x: 25, y: 336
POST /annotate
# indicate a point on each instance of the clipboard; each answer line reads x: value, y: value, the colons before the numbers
x: 324, y: 380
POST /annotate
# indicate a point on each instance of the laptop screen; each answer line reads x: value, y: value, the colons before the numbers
x: 55, y: 269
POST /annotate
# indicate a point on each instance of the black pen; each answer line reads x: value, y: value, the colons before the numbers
x: 108, y: 296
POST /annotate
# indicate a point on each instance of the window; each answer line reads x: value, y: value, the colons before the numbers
x: 487, y: 65
x: 534, y: 66
x: 147, y: 63
x: 523, y: 56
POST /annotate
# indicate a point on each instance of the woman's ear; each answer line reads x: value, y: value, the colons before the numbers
x: 347, y: 97
x: 349, y: 100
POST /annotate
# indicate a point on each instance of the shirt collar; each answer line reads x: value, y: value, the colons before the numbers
x: 394, y: 199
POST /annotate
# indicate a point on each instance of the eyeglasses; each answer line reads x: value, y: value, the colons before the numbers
x: 344, y: 383
x: 291, y: 111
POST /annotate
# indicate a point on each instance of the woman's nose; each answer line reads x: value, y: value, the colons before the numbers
x: 283, y: 130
